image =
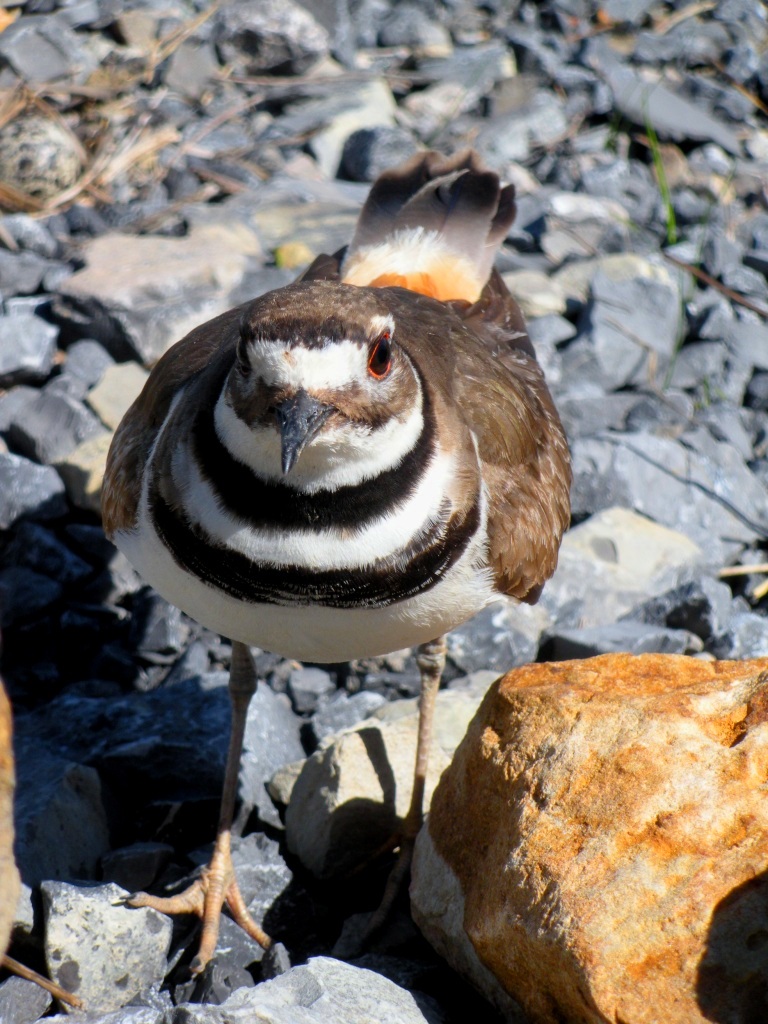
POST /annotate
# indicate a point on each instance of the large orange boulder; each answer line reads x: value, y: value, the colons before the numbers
x: 9, y: 875
x: 598, y: 848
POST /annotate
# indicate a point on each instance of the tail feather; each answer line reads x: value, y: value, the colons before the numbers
x: 432, y: 225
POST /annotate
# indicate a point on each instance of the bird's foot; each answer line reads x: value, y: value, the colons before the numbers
x: 217, y: 887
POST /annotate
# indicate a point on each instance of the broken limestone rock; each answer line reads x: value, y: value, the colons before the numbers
x: 597, y: 849
x: 323, y: 990
x: 141, y: 294
x: 351, y: 795
x: 613, y: 561
x: 100, y: 949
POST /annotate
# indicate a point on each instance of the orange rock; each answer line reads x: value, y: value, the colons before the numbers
x: 598, y: 849
x: 9, y: 875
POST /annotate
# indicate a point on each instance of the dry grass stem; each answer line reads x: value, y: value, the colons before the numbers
x: 50, y: 986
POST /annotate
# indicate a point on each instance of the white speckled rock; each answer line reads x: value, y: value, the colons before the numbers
x: 100, y: 950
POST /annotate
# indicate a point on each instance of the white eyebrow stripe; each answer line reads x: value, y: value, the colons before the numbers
x: 380, y: 324
x: 280, y: 364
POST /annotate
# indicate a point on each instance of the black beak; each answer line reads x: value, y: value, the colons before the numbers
x: 299, y: 419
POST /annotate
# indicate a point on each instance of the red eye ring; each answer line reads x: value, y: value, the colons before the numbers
x: 380, y: 358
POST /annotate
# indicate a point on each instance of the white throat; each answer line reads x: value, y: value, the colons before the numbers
x: 340, y: 456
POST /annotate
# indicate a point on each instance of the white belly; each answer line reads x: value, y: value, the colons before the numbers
x: 314, y: 632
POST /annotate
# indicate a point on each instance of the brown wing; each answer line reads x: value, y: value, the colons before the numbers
x: 521, y: 442
x: 135, y: 436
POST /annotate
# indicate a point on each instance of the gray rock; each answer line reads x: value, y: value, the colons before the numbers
x: 158, y: 631
x: 539, y: 121
x: 725, y: 423
x: 343, y: 711
x: 745, y: 637
x: 27, y: 489
x: 665, y: 414
x: 21, y: 273
x: 193, y: 662
x: 323, y: 990
x: 550, y: 330
x: 30, y: 234
x: 627, y: 635
x: 702, y: 606
x: 257, y: 282
x: 138, y: 295
x: 458, y: 84
x: 351, y: 794
x: 263, y: 878
x: 52, y: 426
x: 500, y: 637
x: 395, y: 934
x: 370, y: 104
x: 261, y: 871
x: 256, y: 37
x: 22, y: 1001
x: 25, y: 593
x: 671, y: 116
x: 41, y: 48
x: 191, y: 69
x: 335, y: 16
x: 164, y: 745
x: 87, y: 360
x: 698, y: 364
x: 126, y: 1015
x: 590, y: 415
x: 36, y: 547
x: 170, y: 744
x: 272, y: 739
x: 51, y: 794
x: 91, y: 542
x: 410, y: 25
x: 628, y: 182
x: 276, y: 961
x: 613, y: 562
x: 27, y: 922
x: 543, y: 338
x: 220, y: 979
x: 632, y: 12
x: 757, y: 392
x: 368, y: 152
x: 635, y: 317
x: 704, y: 45
x: 12, y: 404
x: 758, y: 260
x: 309, y: 688
x: 476, y: 68
x: 81, y: 926
x: 135, y: 867
x: 27, y: 347
x: 748, y: 341
x: 719, y: 504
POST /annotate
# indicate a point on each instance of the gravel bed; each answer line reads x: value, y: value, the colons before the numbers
x: 161, y: 162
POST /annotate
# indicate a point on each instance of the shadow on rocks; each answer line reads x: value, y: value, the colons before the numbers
x: 732, y: 979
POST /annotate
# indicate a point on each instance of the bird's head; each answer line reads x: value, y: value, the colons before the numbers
x: 326, y: 398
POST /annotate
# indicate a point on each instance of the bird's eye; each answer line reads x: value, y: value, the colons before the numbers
x: 380, y: 359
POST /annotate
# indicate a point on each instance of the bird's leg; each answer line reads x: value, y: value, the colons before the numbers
x: 430, y: 658
x: 217, y: 885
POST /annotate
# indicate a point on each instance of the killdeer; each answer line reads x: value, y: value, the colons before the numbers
x: 349, y: 465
